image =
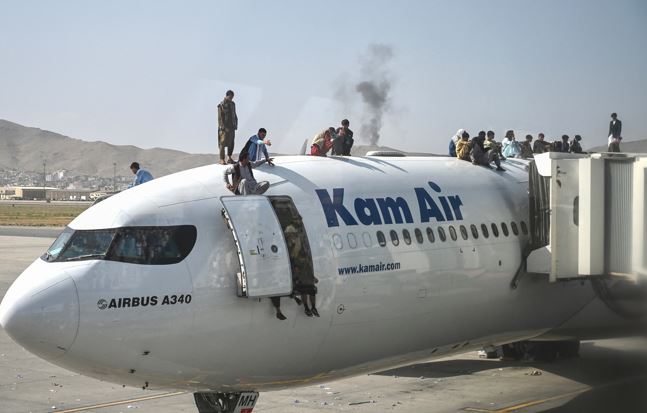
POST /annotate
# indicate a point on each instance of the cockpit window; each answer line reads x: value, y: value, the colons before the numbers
x: 58, y: 245
x: 136, y: 245
x: 88, y: 245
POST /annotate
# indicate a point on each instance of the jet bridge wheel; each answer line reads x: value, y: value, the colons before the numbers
x: 213, y: 402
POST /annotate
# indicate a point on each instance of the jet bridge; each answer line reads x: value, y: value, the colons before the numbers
x: 587, y: 215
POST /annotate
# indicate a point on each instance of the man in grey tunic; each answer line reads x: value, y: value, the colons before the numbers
x: 243, y: 181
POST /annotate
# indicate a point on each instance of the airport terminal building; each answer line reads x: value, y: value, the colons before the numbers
x: 17, y: 193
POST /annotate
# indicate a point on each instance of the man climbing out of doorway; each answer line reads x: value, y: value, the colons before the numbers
x: 302, y: 274
x: 244, y: 182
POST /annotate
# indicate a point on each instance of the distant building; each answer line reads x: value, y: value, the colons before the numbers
x: 29, y: 193
x: 69, y: 194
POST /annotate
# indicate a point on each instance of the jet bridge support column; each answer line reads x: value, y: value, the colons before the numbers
x: 590, y: 217
x: 596, y: 220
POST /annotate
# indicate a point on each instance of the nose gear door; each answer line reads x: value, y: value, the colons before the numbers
x: 264, y: 260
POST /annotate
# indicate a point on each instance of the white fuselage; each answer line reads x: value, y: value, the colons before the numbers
x: 380, y: 306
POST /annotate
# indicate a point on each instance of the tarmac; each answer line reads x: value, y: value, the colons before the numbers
x: 609, y: 376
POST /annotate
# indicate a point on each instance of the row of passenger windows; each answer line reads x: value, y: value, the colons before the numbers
x: 440, y: 234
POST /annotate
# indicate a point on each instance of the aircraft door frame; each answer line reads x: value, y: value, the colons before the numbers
x: 265, y: 269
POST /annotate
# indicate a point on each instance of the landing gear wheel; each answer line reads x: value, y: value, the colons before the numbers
x: 212, y: 402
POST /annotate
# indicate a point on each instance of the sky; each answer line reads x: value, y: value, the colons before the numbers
x: 151, y: 73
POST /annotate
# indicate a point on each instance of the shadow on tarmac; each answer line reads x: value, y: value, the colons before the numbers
x: 617, y: 377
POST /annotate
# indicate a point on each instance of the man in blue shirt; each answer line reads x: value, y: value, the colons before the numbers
x: 141, y: 175
x: 257, y: 146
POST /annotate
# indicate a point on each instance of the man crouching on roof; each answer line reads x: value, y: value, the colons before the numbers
x: 244, y: 182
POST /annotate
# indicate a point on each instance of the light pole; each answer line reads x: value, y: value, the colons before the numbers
x: 114, y: 177
x: 44, y: 192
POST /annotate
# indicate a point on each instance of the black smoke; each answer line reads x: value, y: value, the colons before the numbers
x: 374, y: 89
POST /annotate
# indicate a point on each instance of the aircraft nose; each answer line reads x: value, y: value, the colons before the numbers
x: 44, y: 321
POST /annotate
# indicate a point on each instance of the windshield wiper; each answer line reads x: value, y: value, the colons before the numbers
x: 86, y: 256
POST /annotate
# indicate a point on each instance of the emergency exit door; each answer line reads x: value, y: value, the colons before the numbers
x: 264, y: 260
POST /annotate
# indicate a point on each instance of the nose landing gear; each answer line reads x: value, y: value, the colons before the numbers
x: 213, y: 402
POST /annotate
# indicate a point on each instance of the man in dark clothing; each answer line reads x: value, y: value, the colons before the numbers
x: 480, y: 155
x: 339, y: 142
x: 227, y: 125
x: 526, y: 148
x: 575, y: 144
x: 615, y: 133
x: 540, y: 146
x: 347, y: 142
x: 565, y: 146
x: 615, y: 126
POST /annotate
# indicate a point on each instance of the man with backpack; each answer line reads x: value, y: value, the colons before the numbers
x: 243, y: 182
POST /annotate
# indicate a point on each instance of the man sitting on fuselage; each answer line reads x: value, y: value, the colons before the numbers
x: 244, y: 182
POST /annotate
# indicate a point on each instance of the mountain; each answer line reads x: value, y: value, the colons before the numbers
x: 24, y: 148
x: 633, y: 147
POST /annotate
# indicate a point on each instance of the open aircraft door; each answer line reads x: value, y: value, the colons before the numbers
x: 265, y: 269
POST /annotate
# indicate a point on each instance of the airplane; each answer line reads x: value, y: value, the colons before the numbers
x: 166, y: 285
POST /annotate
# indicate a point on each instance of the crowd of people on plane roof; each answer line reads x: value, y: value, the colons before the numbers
x: 483, y: 149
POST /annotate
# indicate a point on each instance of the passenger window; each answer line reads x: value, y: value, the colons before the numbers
x: 406, y: 236
x: 463, y: 232
x: 484, y: 230
x: 381, y: 239
x: 419, y: 236
x: 441, y: 234
x: 475, y: 231
x: 394, y: 238
x: 504, y: 229
x: 368, y: 242
x: 524, y: 228
x: 515, y: 229
x: 495, y: 230
x: 352, y: 241
x: 430, y: 235
x: 336, y: 240
x: 452, y: 233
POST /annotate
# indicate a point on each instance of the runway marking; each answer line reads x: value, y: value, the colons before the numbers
x: 527, y: 404
x: 550, y: 399
x: 117, y: 403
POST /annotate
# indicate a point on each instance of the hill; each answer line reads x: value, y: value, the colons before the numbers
x: 24, y: 148
x: 632, y: 146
